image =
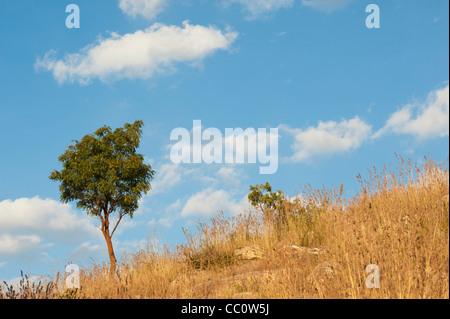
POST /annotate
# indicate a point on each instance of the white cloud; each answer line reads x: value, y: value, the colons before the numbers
x: 44, y: 217
x: 167, y: 176
x: 258, y: 8
x: 326, y: 5
x: 147, y: 8
x: 205, y: 203
x: 230, y: 175
x: 30, y: 225
x: 328, y: 138
x: 10, y: 245
x: 208, y: 202
x: 142, y: 55
x: 423, y: 120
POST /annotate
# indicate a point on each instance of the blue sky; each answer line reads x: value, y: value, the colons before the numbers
x: 344, y: 98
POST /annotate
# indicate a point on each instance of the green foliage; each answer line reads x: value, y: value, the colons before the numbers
x: 262, y: 196
x: 103, y: 173
x: 270, y: 203
x: 212, y: 257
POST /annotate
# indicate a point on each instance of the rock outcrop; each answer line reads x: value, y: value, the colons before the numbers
x: 250, y: 253
x: 205, y: 284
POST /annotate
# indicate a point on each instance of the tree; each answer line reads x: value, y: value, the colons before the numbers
x: 262, y: 196
x: 103, y: 174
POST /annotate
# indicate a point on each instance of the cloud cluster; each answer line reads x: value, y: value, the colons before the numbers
x: 209, y: 201
x: 220, y: 191
x: 148, y: 9
x: 28, y: 226
x: 143, y: 54
x: 11, y: 245
x: 422, y: 120
x: 168, y: 176
x: 328, y: 138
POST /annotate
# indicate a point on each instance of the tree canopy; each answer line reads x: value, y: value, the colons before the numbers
x: 262, y: 196
x: 103, y: 174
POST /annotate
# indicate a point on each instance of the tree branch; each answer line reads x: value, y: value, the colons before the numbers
x: 117, y: 224
x: 113, y: 204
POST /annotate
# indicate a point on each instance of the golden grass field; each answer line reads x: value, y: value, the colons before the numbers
x: 398, y: 221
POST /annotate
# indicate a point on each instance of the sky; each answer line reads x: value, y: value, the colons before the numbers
x: 340, y: 97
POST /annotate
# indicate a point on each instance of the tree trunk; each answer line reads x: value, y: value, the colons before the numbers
x: 106, y: 234
x: 112, y: 257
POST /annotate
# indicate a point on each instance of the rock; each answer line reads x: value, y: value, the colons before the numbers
x: 250, y: 253
x: 294, y: 250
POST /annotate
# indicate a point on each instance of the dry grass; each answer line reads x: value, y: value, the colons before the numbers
x: 28, y: 288
x: 399, y: 221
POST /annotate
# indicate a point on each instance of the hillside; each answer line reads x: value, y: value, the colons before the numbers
x: 317, y: 247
